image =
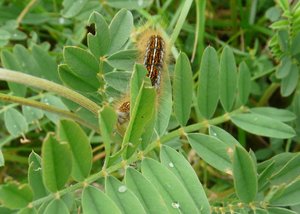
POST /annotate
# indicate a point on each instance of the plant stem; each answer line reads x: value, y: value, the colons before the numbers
x: 45, y: 107
x: 268, y: 93
x: 180, y: 22
x: 200, y: 29
x: 136, y: 157
x: 25, y: 11
x: 25, y: 79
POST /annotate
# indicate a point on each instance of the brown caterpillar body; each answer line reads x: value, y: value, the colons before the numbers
x: 153, y: 51
x: 154, y: 58
x: 123, y: 112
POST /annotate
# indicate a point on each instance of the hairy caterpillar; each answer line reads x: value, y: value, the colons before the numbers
x: 152, y: 48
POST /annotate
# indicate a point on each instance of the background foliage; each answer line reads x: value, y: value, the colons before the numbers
x: 221, y: 135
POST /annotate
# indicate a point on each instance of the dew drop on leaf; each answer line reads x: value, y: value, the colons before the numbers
x: 122, y: 188
x: 175, y: 205
x: 171, y: 165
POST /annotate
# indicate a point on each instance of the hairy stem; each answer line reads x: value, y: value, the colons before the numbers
x: 25, y: 79
x: 43, y: 106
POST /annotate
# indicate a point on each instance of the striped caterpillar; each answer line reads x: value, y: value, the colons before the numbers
x: 154, y: 58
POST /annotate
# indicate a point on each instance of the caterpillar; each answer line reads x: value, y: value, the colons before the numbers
x: 154, y: 52
x: 154, y: 59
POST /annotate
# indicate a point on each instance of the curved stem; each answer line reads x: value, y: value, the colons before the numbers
x: 25, y: 11
x: 180, y: 22
x: 200, y: 29
x: 25, y: 79
x: 39, y: 105
x: 268, y: 93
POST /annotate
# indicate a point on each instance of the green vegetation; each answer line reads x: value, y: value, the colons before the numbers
x: 220, y: 135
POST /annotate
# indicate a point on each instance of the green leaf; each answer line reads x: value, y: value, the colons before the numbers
x: 123, y: 60
x: 273, y: 13
x: 279, y: 210
x: 289, y: 172
x: 120, y: 29
x: 279, y: 160
x: 264, y: 176
x: 27, y: 210
x: 288, y: 196
x: 208, y: 87
x: 187, y: 176
x: 283, y: 39
x: 282, y: 115
x: 244, y: 83
x: 72, y: 8
x: 107, y: 120
x: 284, y: 4
x: 182, y: 89
x: 81, y: 61
x: 53, y: 101
x: 1, y: 158
x: 145, y: 191
x: 26, y: 61
x: 129, y: 4
x: 174, y: 193
x: 227, y: 79
x: 223, y: 136
x: 4, y: 35
x: 261, y: 125
x: 56, y: 206
x: 119, y: 80
x: 9, y: 61
x: 295, y: 47
x: 35, y: 178
x: 56, y: 163
x: 46, y: 64
x: 284, y: 68
x: 80, y: 147
x: 164, y: 105
x: 100, y: 42
x: 211, y: 150
x: 95, y: 201
x: 79, y: 83
x: 122, y: 196
x: 32, y: 114
x: 141, y: 114
x: 15, y: 122
x: 244, y: 175
x: 15, y: 196
x: 137, y: 79
x: 289, y: 83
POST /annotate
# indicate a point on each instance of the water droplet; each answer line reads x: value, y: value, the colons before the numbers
x: 171, y: 165
x: 175, y: 205
x: 140, y: 2
x: 15, y: 35
x: 215, y: 134
x: 61, y: 20
x: 110, y: 100
x: 122, y: 188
